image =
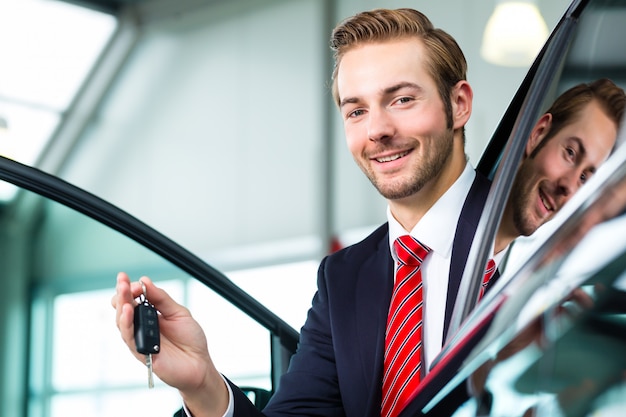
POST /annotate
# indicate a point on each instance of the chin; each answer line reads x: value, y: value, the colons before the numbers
x: 528, y: 228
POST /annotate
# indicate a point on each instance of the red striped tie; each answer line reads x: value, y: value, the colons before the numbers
x: 403, y: 341
x: 489, y: 271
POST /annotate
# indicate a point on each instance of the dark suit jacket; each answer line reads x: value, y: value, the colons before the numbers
x: 337, y: 370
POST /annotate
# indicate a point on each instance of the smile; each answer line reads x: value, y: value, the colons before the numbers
x: 545, y: 202
x: 392, y: 157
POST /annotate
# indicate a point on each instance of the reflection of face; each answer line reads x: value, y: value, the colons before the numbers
x: 545, y: 182
x: 394, y: 118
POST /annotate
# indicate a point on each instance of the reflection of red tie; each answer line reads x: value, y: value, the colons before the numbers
x: 489, y: 271
x: 403, y: 341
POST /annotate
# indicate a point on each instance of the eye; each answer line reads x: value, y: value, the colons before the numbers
x: 355, y: 113
x: 571, y: 153
x: 583, y: 177
x: 404, y: 100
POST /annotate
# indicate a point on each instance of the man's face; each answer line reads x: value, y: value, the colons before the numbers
x: 545, y: 182
x: 394, y: 119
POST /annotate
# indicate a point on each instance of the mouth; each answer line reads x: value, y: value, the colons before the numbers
x: 390, y: 158
x: 549, y: 206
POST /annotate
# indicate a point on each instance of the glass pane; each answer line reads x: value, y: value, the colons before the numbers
x: 286, y: 289
x: 239, y: 346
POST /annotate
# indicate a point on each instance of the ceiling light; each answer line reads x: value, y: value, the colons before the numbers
x: 514, y: 34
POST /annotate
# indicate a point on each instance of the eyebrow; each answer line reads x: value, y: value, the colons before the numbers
x: 389, y: 90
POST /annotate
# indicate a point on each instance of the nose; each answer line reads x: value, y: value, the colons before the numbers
x: 380, y: 126
x: 569, y: 183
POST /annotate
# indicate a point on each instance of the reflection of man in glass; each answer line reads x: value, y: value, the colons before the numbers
x: 564, y: 149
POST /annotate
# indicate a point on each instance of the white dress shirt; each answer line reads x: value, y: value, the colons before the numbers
x: 436, y: 230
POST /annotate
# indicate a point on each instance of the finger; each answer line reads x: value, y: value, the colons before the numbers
x: 122, y: 295
x: 121, y: 278
x: 124, y: 311
x: 127, y: 329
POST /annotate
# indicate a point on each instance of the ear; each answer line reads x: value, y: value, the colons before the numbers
x: 462, y: 96
x: 541, y: 129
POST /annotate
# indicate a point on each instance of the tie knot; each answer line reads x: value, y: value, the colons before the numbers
x: 410, y: 251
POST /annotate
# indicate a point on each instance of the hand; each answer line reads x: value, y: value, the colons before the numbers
x: 184, y: 361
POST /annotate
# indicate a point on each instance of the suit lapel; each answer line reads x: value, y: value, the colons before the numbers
x: 373, y: 295
x: 465, y: 231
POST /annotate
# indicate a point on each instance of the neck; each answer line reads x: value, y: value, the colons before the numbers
x: 502, y: 242
x: 409, y: 211
x: 506, y: 231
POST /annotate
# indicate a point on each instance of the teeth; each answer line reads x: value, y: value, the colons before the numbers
x: 545, y: 203
x: 392, y: 157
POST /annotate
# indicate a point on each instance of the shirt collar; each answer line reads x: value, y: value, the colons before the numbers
x: 438, y: 226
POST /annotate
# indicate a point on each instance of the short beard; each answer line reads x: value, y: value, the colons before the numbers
x: 431, y: 168
x: 519, y: 197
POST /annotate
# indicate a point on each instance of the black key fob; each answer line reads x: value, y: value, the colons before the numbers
x: 147, y: 336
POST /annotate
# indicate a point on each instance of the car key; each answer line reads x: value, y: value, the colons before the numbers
x: 147, y: 335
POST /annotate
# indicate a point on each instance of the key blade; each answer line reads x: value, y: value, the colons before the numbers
x: 149, y: 365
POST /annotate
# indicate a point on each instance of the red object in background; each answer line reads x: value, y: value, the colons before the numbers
x: 335, y: 245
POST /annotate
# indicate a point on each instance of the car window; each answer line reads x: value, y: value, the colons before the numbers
x: 549, y: 337
x: 556, y: 343
x: 502, y: 157
x: 566, y: 60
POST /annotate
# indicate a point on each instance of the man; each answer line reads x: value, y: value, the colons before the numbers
x: 565, y: 147
x: 401, y: 88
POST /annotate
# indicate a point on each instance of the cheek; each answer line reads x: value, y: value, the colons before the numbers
x: 354, y: 138
x: 557, y: 168
x: 423, y: 123
x: 548, y: 164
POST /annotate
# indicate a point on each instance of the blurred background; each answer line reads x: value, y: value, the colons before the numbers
x: 211, y: 121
